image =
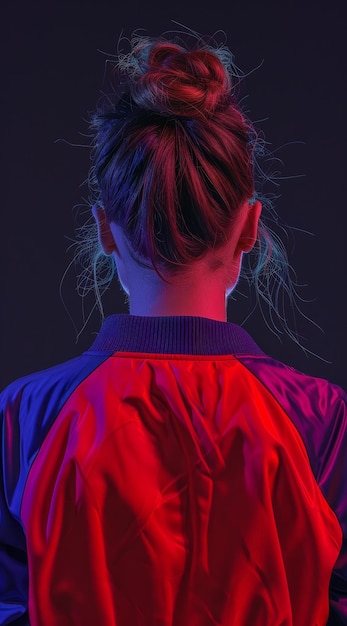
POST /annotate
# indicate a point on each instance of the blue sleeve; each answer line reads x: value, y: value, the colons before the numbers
x: 13, y: 558
x: 28, y: 408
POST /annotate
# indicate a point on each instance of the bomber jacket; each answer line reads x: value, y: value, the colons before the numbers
x: 173, y: 475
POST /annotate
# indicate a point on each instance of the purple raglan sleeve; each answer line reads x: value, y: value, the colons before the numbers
x: 318, y: 409
x: 332, y: 478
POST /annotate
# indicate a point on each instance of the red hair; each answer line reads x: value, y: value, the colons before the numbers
x: 173, y: 153
x: 174, y: 159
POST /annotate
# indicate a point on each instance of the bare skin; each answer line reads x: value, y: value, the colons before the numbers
x: 201, y: 290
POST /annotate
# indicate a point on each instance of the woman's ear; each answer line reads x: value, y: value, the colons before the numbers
x: 106, y: 238
x: 249, y: 231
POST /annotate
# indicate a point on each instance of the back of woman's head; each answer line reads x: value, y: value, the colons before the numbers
x: 173, y: 153
x: 174, y: 159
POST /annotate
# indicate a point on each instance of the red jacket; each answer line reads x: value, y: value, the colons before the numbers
x: 173, y: 475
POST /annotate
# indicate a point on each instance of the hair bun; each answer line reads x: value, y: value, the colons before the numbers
x: 170, y: 80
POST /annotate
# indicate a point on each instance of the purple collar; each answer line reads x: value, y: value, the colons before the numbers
x: 172, y: 335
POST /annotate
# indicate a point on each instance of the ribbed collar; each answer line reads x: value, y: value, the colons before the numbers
x: 172, y: 335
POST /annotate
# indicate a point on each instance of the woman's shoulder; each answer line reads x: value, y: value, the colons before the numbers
x: 54, y: 383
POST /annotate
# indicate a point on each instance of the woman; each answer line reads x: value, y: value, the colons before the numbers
x: 174, y: 474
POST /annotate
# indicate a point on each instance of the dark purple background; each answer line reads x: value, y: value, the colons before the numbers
x: 52, y: 74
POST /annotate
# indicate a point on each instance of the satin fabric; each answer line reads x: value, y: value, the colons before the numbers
x: 176, y: 491
x: 173, y: 474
